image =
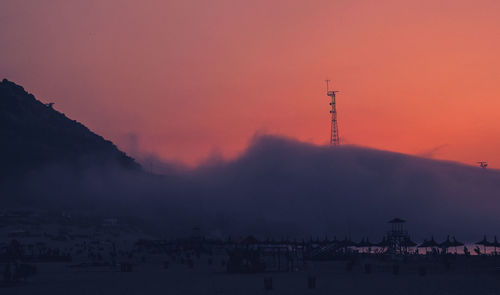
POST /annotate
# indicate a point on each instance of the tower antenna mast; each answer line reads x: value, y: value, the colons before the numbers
x: 334, y: 128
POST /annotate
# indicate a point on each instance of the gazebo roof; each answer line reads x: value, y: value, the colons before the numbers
x: 397, y: 220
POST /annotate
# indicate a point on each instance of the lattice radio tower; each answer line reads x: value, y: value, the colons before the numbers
x: 334, y: 128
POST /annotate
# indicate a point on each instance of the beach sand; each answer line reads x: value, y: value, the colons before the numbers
x: 331, y: 278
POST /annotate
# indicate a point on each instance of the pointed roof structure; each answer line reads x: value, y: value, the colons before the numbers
x: 346, y: 243
x: 456, y: 243
x: 409, y: 243
x: 424, y: 244
x: 397, y: 220
x: 325, y: 241
x: 495, y: 243
x: 383, y: 243
x: 447, y: 243
x: 362, y: 243
x: 484, y: 242
x: 429, y: 243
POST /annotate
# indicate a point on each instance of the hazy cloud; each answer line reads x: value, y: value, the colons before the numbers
x: 283, y: 187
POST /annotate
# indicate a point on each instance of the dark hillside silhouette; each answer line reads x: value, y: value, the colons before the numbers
x: 34, y: 135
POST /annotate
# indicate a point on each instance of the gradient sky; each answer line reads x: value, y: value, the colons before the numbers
x: 186, y: 79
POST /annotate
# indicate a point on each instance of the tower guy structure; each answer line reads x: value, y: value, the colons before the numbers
x: 334, y: 128
x: 398, y: 239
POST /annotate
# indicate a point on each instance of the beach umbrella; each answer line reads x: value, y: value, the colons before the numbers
x: 456, y: 244
x: 346, y: 243
x: 365, y: 243
x: 351, y: 243
x: 424, y: 244
x: 495, y: 244
x: 446, y: 244
x: 429, y: 244
x: 369, y: 244
x: 409, y: 243
x: 325, y: 241
x: 383, y: 243
x: 484, y: 242
x: 362, y: 243
x: 343, y: 243
x: 433, y: 243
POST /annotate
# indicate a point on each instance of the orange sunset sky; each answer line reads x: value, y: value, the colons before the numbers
x: 187, y: 79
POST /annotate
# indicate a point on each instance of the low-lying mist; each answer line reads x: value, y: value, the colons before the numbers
x: 281, y: 187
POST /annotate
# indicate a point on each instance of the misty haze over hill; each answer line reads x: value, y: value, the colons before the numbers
x: 278, y: 187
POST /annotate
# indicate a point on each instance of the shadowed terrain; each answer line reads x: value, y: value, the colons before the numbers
x: 34, y: 134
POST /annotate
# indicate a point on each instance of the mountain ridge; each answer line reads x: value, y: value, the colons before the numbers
x: 35, y: 135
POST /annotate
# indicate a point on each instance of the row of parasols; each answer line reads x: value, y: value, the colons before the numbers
x: 365, y: 243
x: 431, y: 243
